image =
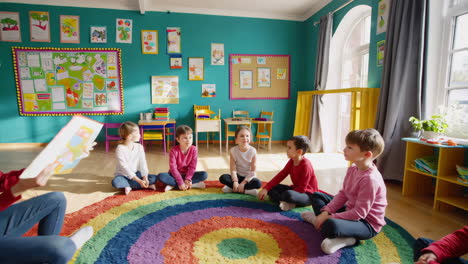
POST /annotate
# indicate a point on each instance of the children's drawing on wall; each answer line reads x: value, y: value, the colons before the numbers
x: 39, y: 24
x: 164, y: 89
x: 176, y: 62
x: 245, y: 79
x: 208, y: 90
x: 281, y: 74
x: 382, y: 17
x: 69, y: 29
x: 149, y: 41
x: 246, y: 61
x: 261, y: 60
x: 380, y: 52
x: 196, y: 70
x: 217, y: 54
x: 263, y: 77
x: 123, y: 32
x: 173, y: 40
x: 10, y: 27
x: 98, y: 34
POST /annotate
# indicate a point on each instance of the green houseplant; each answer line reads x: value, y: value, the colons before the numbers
x: 431, y: 128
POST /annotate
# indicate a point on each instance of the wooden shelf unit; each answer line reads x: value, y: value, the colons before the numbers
x: 444, y: 189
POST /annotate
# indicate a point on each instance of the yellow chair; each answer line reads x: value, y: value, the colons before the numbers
x: 264, y: 128
x: 244, y: 115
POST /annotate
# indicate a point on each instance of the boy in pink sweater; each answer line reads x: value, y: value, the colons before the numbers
x: 357, y: 212
x: 182, y: 164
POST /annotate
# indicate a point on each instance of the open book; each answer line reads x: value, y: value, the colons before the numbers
x: 67, y: 148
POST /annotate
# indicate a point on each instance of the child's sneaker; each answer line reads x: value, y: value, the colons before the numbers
x: 285, y: 206
x: 199, y: 185
x: 168, y: 188
x: 331, y: 245
x: 227, y: 189
x: 252, y: 192
x: 309, y: 217
x: 82, y: 235
x: 127, y: 190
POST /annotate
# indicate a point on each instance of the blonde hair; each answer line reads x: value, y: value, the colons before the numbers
x: 125, y: 129
x: 367, y: 140
x: 242, y: 128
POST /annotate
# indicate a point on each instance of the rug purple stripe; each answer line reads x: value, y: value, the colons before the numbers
x: 152, y: 240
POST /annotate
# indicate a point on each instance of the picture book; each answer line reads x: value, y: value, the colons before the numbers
x: 67, y: 148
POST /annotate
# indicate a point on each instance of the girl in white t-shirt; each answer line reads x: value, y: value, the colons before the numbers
x: 243, y: 158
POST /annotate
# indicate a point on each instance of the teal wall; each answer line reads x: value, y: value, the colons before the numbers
x: 239, y: 35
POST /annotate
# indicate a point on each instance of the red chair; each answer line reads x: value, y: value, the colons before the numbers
x: 110, y: 137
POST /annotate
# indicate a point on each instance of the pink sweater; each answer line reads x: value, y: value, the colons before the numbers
x: 182, y: 164
x: 302, y: 177
x: 365, y: 196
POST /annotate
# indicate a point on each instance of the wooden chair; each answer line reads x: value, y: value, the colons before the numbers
x: 237, y: 114
x: 108, y: 127
x: 264, y: 128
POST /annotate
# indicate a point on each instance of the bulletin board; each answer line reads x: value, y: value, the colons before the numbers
x: 68, y: 81
x: 257, y: 76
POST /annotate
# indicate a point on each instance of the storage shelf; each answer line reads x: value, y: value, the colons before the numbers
x: 421, y: 172
x: 460, y: 202
x: 452, y: 179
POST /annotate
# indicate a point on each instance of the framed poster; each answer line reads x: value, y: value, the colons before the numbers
x: 263, y: 77
x: 98, y: 34
x: 217, y: 54
x: 69, y: 29
x: 164, y: 89
x: 149, y: 41
x: 68, y: 81
x: 39, y: 26
x: 10, y: 27
x: 196, y: 69
x: 123, y: 29
x: 208, y: 90
x: 382, y: 18
x: 245, y: 79
x: 173, y: 40
x: 175, y: 62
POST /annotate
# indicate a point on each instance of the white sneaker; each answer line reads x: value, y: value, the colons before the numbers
x: 127, y: 190
x: 82, y: 235
x: 252, y: 192
x: 168, y: 188
x: 309, y: 217
x: 227, y: 189
x: 199, y: 185
x: 285, y: 206
x: 331, y: 245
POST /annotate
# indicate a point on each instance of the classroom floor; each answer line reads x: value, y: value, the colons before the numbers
x: 91, y: 181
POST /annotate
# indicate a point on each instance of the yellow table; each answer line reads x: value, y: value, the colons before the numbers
x: 156, y: 125
x: 234, y: 121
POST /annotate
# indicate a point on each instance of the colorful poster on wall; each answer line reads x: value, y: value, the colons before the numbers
x: 175, y: 62
x: 69, y: 29
x: 263, y: 77
x: 149, y: 41
x: 281, y: 73
x: 246, y: 79
x: 173, y: 40
x: 98, y: 34
x: 52, y: 81
x: 10, y: 27
x: 164, y: 89
x: 196, y: 69
x: 123, y: 29
x: 217, y: 54
x: 382, y: 18
x: 380, y: 52
x: 208, y: 90
x: 39, y: 26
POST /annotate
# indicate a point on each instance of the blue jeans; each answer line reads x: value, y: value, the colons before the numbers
x: 48, y: 247
x: 166, y: 178
x: 285, y: 193
x: 121, y: 181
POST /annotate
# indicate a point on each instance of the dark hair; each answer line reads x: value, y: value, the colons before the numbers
x: 183, y: 129
x: 301, y: 142
x: 367, y: 140
x: 125, y: 129
x: 242, y: 128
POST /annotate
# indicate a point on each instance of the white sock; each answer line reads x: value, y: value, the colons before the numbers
x: 82, y: 235
x: 331, y: 245
x: 285, y: 206
x: 128, y: 190
x: 227, y: 189
x: 309, y: 217
x: 252, y: 192
x: 152, y: 187
x: 199, y: 185
x: 168, y: 188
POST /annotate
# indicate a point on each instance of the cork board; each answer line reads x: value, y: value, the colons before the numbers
x: 257, y: 76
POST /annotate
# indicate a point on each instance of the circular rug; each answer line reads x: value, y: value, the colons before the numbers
x: 208, y: 226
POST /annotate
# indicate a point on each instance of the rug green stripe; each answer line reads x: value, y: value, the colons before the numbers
x: 102, y: 237
x: 368, y: 253
x: 404, y: 247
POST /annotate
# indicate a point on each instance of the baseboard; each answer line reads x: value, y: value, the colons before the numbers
x: 21, y: 145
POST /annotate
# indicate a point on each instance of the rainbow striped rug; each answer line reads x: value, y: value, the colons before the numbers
x: 208, y: 226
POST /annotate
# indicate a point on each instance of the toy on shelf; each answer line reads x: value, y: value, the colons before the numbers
x: 161, y: 113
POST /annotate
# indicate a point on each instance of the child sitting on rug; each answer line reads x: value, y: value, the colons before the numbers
x: 302, y: 175
x: 182, y: 164
x: 242, y: 165
x: 364, y: 194
x: 131, y: 172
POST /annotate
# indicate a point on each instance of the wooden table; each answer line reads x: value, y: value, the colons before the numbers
x: 208, y: 125
x: 157, y: 125
x: 234, y: 121
x: 268, y: 125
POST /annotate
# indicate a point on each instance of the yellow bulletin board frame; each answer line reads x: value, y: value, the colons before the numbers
x: 277, y: 86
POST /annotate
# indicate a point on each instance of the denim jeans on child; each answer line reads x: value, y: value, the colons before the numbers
x: 166, y: 178
x: 121, y: 181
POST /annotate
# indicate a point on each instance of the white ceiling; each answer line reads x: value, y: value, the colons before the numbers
x: 297, y: 10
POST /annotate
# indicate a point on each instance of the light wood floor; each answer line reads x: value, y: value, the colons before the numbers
x: 91, y: 182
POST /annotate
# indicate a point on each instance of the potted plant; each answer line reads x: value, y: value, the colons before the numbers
x: 430, y: 128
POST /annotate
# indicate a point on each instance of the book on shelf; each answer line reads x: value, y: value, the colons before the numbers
x: 427, y: 164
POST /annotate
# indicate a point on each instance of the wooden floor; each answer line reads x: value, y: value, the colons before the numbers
x: 91, y: 182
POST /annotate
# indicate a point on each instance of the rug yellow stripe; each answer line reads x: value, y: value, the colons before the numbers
x: 387, y: 250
